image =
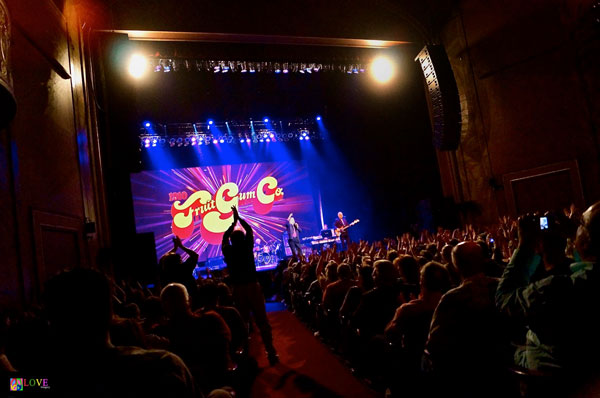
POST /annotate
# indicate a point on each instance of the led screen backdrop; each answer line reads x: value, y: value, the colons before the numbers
x: 195, y: 203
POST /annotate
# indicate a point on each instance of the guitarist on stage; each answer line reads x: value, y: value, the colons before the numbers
x: 341, y: 229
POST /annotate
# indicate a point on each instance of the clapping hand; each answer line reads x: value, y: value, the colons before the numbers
x: 236, y: 215
x: 177, y: 242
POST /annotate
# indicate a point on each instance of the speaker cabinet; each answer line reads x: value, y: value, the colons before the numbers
x: 442, y: 96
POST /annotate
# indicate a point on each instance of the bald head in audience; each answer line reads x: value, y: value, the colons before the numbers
x: 468, y: 258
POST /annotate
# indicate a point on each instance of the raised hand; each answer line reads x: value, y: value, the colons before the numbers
x: 236, y: 215
x: 177, y: 242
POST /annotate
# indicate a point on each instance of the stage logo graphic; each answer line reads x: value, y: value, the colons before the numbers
x: 214, y: 212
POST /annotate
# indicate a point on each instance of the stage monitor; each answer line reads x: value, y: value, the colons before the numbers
x: 195, y: 203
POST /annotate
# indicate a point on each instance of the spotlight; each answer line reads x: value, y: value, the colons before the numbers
x: 215, y: 141
x: 154, y: 141
x: 137, y: 66
x: 193, y: 140
x: 382, y: 69
x: 247, y: 139
x: 147, y: 141
x: 307, y: 138
x: 268, y: 140
x: 261, y: 140
x: 318, y: 118
x: 271, y: 135
x: 242, y: 140
x: 147, y: 124
x: 304, y: 134
x: 285, y: 68
x: 301, y: 138
x: 221, y: 140
x: 210, y: 122
x: 266, y: 120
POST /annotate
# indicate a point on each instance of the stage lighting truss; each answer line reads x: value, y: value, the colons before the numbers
x: 168, y: 65
x: 202, y: 134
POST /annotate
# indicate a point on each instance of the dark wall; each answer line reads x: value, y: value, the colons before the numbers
x: 527, y: 76
x: 44, y: 171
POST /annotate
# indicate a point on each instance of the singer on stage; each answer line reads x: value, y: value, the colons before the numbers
x: 293, y: 231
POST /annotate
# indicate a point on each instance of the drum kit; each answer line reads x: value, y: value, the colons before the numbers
x: 266, y: 254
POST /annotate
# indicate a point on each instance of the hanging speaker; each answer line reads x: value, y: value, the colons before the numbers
x: 442, y: 93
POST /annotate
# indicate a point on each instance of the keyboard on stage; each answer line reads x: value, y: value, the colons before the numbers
x: 318, y: 240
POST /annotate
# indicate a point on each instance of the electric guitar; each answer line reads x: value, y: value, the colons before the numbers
x: 338, y: 231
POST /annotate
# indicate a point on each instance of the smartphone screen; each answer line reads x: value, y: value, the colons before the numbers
x: 543, y: 222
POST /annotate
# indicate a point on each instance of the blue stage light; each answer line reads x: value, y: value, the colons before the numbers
x: 147, y: 124
x: 242, y: 140
x: 215, y: 141
x: 154, y: 142
x: 318, y: 118
x: 266, y: 120
x: 301, y: 138
x: 210, y: 122
x: 307, y: 138
x: 221, y: 140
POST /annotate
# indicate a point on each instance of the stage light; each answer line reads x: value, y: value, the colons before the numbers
x: 157, y: 68
x: 147, y: 142
x: 138, y: 65
x: 154, y: 141
x: 247, y: 139
x: 147, y: 124
x: 307, y: 138
x: 172, y: 142
x: 318, y: 118
x: 261, y: 140
x: 242, y: 140
x: 268, y: 140
x: 382, y: 69
x: 210, y: 122
x: 266, y: 120
x: 271, y: 135
x: 221, y: 140
x: 179, y: 141
x: 301, y: 138
x: 193, y: 139
x: 215, y: 141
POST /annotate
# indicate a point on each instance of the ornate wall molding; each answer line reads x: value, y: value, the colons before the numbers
x: 8, y: 105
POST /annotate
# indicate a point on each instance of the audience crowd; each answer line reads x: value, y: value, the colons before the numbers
x: 504, y: 311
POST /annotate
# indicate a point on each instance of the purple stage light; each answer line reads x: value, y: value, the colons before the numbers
x: 272, y: 135
x: 247, y: 139
x: 268, y: 140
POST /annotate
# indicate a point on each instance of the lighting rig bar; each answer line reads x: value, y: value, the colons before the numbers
x: 211, y: 133
x: 166, y: 65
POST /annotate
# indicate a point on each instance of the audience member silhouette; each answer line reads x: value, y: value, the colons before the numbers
x: 201, y: 340
x: 467, y: 339
x: 82, y: 360
x: 559, y: 310
x: 247, y: 293
x: 173, y: 270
